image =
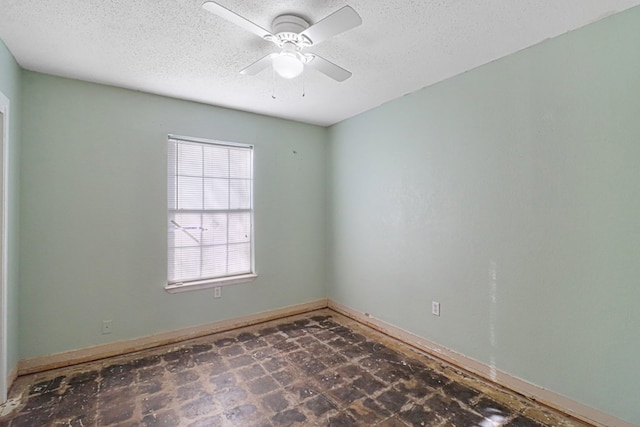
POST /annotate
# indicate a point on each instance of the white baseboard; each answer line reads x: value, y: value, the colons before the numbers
x: 535, y: 392
x: 74, y: 357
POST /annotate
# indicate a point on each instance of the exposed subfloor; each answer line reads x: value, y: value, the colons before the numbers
x: 314, y: 369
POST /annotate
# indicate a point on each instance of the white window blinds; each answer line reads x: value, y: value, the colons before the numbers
x: 210, y: 216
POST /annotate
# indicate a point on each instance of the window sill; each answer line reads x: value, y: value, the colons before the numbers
x: 175, y: 288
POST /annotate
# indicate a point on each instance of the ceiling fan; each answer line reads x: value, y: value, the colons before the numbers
x: 292, y: 35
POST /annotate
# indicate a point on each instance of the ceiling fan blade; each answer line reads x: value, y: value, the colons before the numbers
x: 339, y: 21
x: 329, y: 68
x: 233, y: 17
x: 259, y: 65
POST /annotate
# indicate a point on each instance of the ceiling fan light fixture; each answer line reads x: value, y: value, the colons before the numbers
x: 287, y: 65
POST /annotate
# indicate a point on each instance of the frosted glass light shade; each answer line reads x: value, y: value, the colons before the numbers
x: 287, y: 65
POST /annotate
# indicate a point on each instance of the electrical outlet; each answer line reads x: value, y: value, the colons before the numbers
x: 435, y: 308
x: 107, y: 327
x: 217, y: 292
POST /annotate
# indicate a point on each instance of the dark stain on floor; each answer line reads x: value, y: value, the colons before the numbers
x: 316, y: 369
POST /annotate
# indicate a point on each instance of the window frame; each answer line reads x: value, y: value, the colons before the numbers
x: 206, y: 283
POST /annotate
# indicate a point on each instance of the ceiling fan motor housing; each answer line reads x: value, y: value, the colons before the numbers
x: 289, y: 24
x: 287, y: 29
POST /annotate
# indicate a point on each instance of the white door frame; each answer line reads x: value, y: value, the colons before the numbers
x: 4, y: 152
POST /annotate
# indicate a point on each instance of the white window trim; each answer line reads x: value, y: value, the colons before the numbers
x: 175, y: 288
x: 194, y: 285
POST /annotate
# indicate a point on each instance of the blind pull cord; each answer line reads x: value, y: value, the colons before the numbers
x: 184, y: 230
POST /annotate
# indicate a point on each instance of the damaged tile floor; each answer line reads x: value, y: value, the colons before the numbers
x: 314, y: 369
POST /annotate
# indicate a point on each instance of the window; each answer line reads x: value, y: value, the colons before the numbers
x: 210, y: 215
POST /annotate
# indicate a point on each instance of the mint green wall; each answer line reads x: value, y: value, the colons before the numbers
x: 94, y: 214
x: 511, y: 194
x: 10, y: 81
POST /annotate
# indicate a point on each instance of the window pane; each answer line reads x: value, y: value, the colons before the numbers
x: 240, y: 163
x: 185, y: 230
x: 189, y: 193
x: 239, y: 227
x: 240, y: 194
x: 216, y: 161
x: 184, y: 263
x: 189, y: 160
x: 239, y: 258
x: 216, y: 229
x: 216, y: 193
x: 214, y: 261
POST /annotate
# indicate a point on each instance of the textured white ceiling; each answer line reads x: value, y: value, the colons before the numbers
x: 175, y: 48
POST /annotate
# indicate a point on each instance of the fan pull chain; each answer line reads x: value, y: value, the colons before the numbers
x: 303, y: 92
